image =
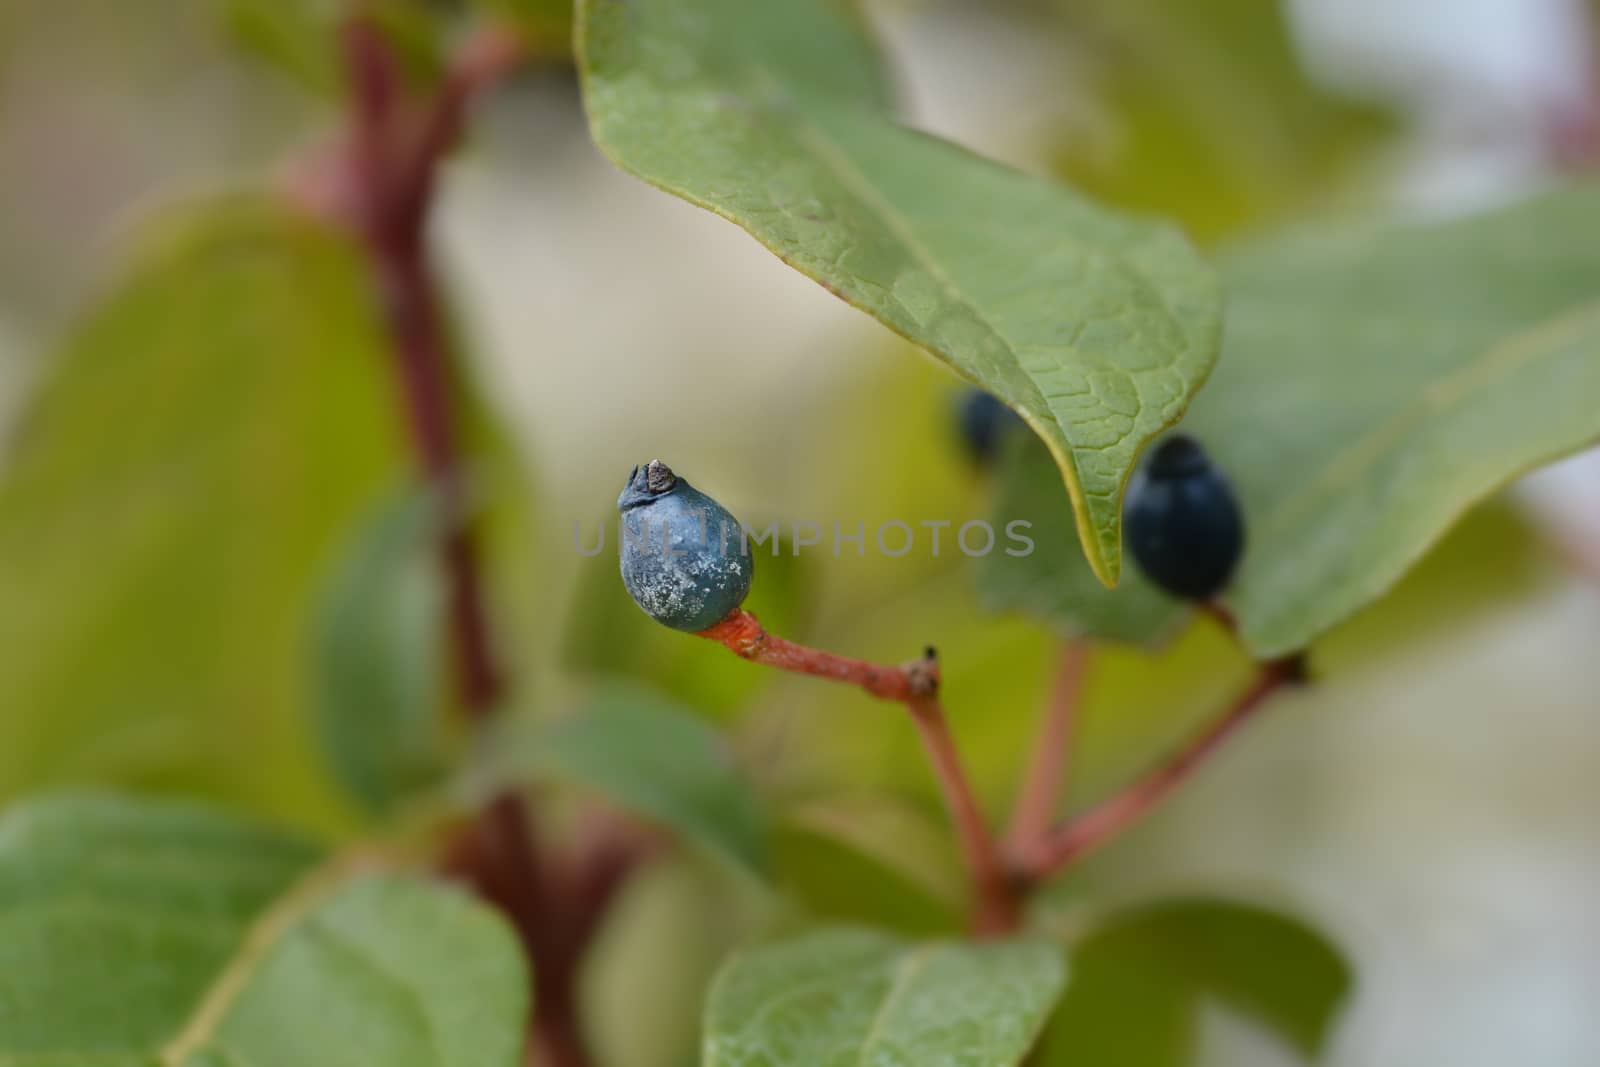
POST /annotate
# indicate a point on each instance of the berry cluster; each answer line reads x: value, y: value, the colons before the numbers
x: 686, y: 562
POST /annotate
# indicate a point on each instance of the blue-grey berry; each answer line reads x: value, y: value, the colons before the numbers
x: 983, y: 421
x: 1183, y: 523
x: 685, y: 559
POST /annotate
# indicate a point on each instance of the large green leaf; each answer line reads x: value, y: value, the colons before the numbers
x: 647, y: 754
x: 1139, y: 979
x: 1096, y: 327
x: 206, y: 434
x: 853, y: 996
x: 134, y: 933
x: 1377, y: 381
x: 206, y: 438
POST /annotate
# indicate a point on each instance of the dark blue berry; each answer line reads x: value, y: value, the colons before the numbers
x: 685, y: 559
x: 1183, y: 523
x: 984, y: 422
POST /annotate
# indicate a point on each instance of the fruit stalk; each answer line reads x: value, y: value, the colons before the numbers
x: 916, y: 685
x: 742, y: 633
x: 1041, y: 790
x: 1075, y: 838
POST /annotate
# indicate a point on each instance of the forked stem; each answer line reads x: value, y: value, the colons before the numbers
x: 1075, y: 838
x: 916, y: 685
x: 395, y: 150
x: 392, y: 173
x: 1047, y: 774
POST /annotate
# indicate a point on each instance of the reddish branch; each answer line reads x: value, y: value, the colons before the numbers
x: 1041, y: 790
x: 395, y: 156
x: 916, y: 685
x: 396, y: 145
x: 1080, y: 835
x: 557, y: 904
x: 742, y: 633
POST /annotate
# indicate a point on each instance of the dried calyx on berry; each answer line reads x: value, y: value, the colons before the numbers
x: 685, y: 559
x: 1183, y: 523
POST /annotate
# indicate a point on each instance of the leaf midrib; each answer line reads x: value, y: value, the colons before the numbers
x: 263, y: 935
x: 905, y: 971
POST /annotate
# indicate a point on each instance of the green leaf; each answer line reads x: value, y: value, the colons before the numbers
x: 1096, y: 327
x: 648, y: 755
x: 1212, y: 92
x: 870, y: 861
x: 845, y: 995
x: 1451, y: 588
x: 1119, y: 1012
x: 1377, y: 382
x: 177, y: 546
x: 160, y: 557
x: 1140, y: 978
x: 133, y: 933
x: 383, y: 970
x: 378, y: 656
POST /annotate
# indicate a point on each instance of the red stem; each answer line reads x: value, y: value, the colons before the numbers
x: 483, y: 59
x: 916, y: 685
x: 999, y: 910
x: 1041, y: 790
x: 554, y: 913
x: 1078, y: 836
x: 394, y: 203
x: 743, y: 634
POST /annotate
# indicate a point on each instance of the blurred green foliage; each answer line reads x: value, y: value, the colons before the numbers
x: 138, y: 931
x: 173, y: 503
x: 873, y: 860
x: 1140, y: 977
x: 646, y: 754
x: 1205, y: 114
x: 203, y: 439
x: 300, y: 38
x: 379, y: 670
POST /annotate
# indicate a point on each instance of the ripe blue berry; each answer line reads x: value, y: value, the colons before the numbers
x: 1184, y: 526
x: 685, y: 560
x: 984, y: 422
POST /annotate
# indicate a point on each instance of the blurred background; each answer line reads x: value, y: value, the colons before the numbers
x: 1432, y: 805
